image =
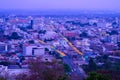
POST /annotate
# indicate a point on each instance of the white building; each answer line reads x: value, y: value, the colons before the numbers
x: 3, y: 70
x: 49, y: 35
x: 32, y: 50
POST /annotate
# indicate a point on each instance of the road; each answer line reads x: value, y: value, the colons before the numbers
x: 70, y: 44
x: 76, y: 70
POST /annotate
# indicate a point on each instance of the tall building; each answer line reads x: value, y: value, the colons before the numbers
x: 5, y: 19
x: 31, y: 24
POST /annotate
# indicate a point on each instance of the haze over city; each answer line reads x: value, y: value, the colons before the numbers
x: 60, y: 4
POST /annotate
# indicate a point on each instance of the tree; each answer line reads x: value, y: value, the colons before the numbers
x: 2, y: 78
x: 83, y: 34
x: 117, y: 67
x: 115, y: 25
x: 47, y: 70
x: 23, y: 28
x: 22, y: 77
x: 105, y: 57
x: 95, y: 24
x: 67, y: 68
x: 106, y: 61
x: 15, y: 36
x: 96, y: 76
x: 114, y: 32
x: 31, y: 42
x: 40, y: 70
x: 46, y: 49
x: 42, y: 32
x: 92, y: 65
x: 118, y: 44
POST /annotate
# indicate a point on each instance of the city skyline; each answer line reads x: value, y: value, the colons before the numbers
x: 59, y: 40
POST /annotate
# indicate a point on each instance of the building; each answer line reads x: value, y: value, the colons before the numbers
x: 31, y: 23
x: 3, y: 70
x: 33, y: 50
x: 3, y: 47
x: 49, y: 35
x: 115, y: 38
x: 70, y: 34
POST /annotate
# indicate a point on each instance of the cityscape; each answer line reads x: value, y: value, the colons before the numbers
x: 58, y: 43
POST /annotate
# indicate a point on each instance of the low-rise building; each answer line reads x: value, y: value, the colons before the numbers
x: 33, y: 50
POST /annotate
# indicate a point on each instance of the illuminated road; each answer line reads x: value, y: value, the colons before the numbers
x: 74, y: 48
x: 58, y: 51
x: 76, y: 70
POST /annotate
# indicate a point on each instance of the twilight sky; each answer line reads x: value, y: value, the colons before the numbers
x: 60, y: 4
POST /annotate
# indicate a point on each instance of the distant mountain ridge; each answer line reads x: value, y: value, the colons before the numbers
x: 56, y: 12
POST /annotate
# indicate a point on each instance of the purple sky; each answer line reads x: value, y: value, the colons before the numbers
x: 60, y: 4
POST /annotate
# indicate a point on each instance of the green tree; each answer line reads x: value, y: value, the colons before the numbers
x: 118, y: 44
x: 92, y: 65
x: 117, y: 67
x: 107, y: 63
x: 114, y: 32
x: 46, y: 49
x: 96, y: 76
x: 67, y: 68
x: 31, y: 42
x: 15, y: 36
x: 42, y: 32
x: 83, y: 34
x: 2, y: 78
